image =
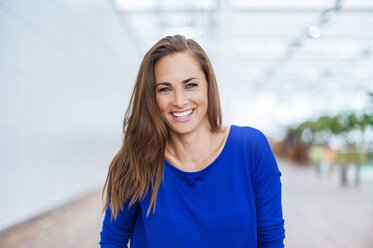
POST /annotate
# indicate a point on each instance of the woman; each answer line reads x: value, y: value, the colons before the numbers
x: 208, y: 185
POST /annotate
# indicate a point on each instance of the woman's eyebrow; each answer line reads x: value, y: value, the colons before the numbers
x: 187, y: 80
x: 164, y: 83
x: 184, y: 81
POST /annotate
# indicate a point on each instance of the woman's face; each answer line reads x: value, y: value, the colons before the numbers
x: 181, y: 92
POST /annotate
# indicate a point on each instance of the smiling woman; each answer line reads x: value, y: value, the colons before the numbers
x: 214, y: 185
x: 182, y: 99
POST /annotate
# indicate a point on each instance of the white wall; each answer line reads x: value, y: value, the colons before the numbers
x: 66, y: 68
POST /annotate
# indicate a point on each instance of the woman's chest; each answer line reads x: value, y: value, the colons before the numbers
x: 203, y: 209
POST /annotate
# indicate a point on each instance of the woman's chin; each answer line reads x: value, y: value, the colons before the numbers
x: 181, y: 130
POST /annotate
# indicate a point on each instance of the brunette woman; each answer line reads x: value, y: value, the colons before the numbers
x: 181, y: 178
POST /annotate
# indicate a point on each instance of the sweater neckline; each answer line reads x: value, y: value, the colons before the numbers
x: 208, y: 167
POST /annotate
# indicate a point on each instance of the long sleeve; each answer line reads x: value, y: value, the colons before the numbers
x: 235, y: 201
x: 270, y: 222
x: 116, y: 233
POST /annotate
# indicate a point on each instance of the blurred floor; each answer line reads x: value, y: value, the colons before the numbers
x: 318, y: 213
x: 75, y: 225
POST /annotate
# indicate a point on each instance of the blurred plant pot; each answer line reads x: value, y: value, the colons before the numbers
x: 350, y: 174
x: 350, y: 166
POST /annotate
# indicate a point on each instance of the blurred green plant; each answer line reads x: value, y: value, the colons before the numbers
x: 341, y: 124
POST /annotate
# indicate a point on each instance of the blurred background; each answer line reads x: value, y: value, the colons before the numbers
x: 300, y: 71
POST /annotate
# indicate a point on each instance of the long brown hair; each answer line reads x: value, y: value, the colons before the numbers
x: 141, y: 157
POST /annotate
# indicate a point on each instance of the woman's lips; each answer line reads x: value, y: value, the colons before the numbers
x: 182, y: 116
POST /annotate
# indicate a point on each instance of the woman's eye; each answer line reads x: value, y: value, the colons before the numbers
x: 191, y: 85
x: 164, y: 89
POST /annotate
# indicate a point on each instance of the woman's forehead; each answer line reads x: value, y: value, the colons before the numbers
x: 177, y: 66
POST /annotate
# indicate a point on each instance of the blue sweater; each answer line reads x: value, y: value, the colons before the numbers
x: 233, y: 202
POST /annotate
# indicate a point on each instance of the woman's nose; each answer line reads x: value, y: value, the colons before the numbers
x: 179, y: 99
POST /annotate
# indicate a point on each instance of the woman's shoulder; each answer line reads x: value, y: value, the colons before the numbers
x: 249, y: 138
x: 245, y: 132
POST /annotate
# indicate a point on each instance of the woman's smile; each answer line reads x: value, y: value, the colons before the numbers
x: 182, y: 116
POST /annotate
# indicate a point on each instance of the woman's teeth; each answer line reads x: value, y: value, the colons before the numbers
x: 182, y: 115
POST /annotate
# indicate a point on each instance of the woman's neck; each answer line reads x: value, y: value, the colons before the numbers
x: 194, y: 149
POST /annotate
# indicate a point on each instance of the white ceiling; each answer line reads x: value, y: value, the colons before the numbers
x: 291, y: 50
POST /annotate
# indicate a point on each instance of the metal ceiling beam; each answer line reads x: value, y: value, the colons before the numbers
x: 158, y: 10
x: 296, y: 10
x: 296, y: 44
